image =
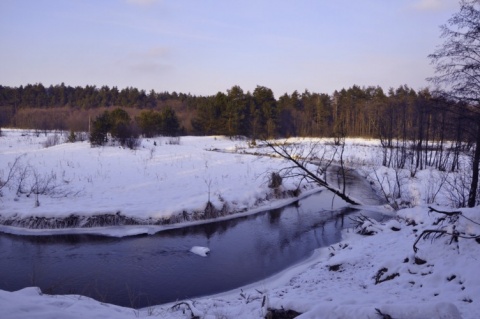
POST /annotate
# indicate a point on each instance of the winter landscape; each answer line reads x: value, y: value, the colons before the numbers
x: 173, y: 180
x: 336, y: 176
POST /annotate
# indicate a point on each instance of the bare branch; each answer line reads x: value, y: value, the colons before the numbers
x: 292, y: 154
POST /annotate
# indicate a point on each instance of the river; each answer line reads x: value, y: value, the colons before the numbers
x: 145, y: 270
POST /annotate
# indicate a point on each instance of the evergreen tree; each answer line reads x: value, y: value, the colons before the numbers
x: 99, y: 129
x: 265, y: 117
x: 170, y: 124
x: 235, y: 112
x: 150, y: 123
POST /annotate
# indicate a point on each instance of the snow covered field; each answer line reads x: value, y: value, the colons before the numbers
x: 159, y: 183
x: 361, y: 277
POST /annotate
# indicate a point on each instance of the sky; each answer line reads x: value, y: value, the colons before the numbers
x: 204, y: 46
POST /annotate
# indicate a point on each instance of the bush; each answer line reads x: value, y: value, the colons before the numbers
x: 120, y: 127
x: 72, y: 138
x: 154, y: 123
x: 133, y: 143
x: 99, y: 129
x: 173, y: 140
x: 150, y: 123
x: 275, y: 180
x: 52, y: 140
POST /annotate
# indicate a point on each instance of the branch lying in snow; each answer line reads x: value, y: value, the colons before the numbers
x: 195, y: 314
x: 455, y: 213
x: 439, y: 233
x: 379, y: 277
x: 431, y: 209
x: 364, y: 225
x: 383, y: 315
x: 454, y: 234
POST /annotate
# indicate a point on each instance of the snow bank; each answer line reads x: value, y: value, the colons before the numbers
x: 158, y: 184
x: 201, y: 251
x: 31, y: 303
x: 442, y: 310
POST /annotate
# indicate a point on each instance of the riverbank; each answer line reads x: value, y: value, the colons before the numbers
x: 347, y: 280
x: 72, y: 185
x: 357, y: 278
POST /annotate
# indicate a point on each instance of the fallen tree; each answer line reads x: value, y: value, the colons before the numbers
x: 450, y: 230
x: 301, y: 157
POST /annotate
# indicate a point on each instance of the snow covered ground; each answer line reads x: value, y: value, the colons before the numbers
x: 361, y: 277
x: 155, y: 184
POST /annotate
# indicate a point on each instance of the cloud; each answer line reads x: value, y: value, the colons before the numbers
x: 429, y: 5
x: 142, y: 2
x: 158, y: 52
x: 153, y: 53
x: 149, y: 67
x: 154, y: 60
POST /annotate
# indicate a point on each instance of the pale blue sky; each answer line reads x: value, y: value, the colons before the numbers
x: 205, y: 46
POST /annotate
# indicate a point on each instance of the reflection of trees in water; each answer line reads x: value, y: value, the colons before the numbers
x: 208, y: 229
x: 220, y: 227
x: 69, y: 239
x: 274, y: 216
x: 301, y: 232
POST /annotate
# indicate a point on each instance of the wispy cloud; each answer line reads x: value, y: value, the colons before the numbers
x: 142, y: 2
x: 158, y: 52
x: 155, y: 60
x: 149, y: 67
x: 433, y: 5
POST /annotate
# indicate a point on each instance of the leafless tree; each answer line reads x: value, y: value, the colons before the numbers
x: 309, y: 162
x: 12, y: 170
x: 457, y: 68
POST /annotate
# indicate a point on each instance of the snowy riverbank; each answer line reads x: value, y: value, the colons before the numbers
x: 348, y: 280
x: 157, y: 184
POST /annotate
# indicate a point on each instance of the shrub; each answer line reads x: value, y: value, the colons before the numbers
x: 173, y: 140
x: 154, y: 123
x: 275, y: 180
x: 99, y: 129
x: 120, y: 127
x: 72, y: 138
x: 52, y: 140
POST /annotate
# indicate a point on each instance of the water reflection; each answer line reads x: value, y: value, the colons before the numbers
x: 144, y: 270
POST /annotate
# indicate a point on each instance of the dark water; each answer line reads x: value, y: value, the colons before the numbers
x: 153, y: 269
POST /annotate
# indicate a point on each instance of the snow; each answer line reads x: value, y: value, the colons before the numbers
x: 201, y: 251
x: 360, y: 277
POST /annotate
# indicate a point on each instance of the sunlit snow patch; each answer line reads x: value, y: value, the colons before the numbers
x: 201, y: 251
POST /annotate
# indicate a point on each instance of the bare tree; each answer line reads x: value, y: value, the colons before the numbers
x: 12, y: 170
x: 457, y: 68
x: 309, y: 163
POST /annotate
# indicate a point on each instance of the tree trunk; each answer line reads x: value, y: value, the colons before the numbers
x: 284, y: 152
x: 472, y: 196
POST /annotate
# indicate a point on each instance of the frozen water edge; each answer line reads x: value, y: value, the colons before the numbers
x: 133, y: 230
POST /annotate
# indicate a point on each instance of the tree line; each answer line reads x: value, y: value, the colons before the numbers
x: 406, y: 121
x: 355, y: 111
